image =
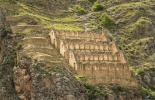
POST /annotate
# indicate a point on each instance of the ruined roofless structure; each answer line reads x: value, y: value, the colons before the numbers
x: 93, y: 57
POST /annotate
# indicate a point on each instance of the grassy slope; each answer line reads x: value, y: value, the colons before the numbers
x: 134, y: 32
x: 135, y: 22
x: 27, y: 12
x: 133, y: 29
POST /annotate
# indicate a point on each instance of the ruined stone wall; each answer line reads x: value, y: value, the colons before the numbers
x: 41, y: 50
x: 63, y: 48
x: 72, y: 60
x: 36, y: 41
x: 54, y: 39
x: 92, y: 56
x: 98, y: 57
x: 99, y: 70
x: 80, y: 35
x: 89, y: 46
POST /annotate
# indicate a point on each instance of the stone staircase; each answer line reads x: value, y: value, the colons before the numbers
x: 93, y: 57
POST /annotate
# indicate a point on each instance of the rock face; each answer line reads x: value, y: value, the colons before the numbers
x: 33, y: 83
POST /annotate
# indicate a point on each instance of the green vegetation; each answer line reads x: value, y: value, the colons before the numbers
x: 141, y: 26
x: 67, y: 27
x: 98, y: 6
x: 65, y: 19
x: 127, y: 6
x: 101, y: 91
x: 146, y: 91
x: 94, y: 92
x: 135, y: 20
x: 118, y: 88
x: 80, y: 10
x: 105, y: 20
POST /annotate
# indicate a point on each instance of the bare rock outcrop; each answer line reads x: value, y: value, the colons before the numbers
x: 34, y: 82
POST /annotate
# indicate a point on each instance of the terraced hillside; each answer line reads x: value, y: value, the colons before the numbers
x: 22, y: 14
x: 33, y: 69
x: 38, y: 68
x: 135, y: 24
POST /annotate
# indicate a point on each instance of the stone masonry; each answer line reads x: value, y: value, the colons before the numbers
x: 93, y: 57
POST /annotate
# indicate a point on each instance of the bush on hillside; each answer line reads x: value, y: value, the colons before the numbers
x: 93, y: 92
x: 80, y: 10
x: 98, y: 7
x: 105, y: 20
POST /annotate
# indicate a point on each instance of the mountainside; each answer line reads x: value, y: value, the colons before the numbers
x: 31, y: 68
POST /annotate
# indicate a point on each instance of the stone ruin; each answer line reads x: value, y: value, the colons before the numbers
x: 93, y: 57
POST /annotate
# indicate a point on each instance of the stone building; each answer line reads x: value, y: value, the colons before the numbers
x: 93, y: 57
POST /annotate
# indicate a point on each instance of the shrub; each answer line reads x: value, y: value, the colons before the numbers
x: 105, y: 21
x: 80, y: 10
x: 98, y: 7
x: 93, y: 92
